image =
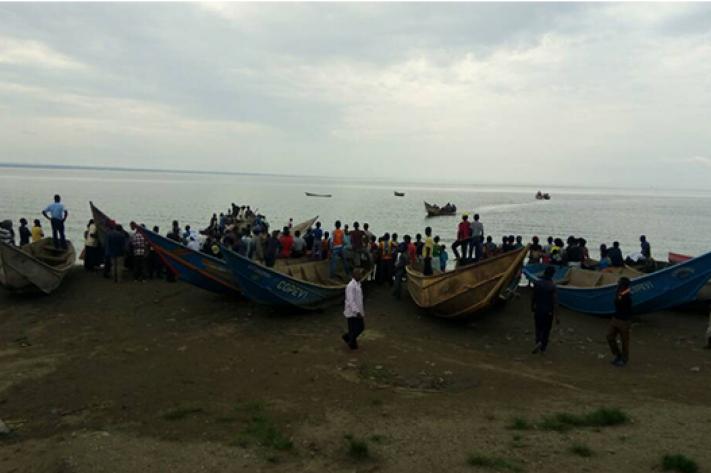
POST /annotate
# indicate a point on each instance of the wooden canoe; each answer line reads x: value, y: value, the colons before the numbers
x: 435, y: 210
x: 311, y: 194
x: 303, y: 226
x: 467, y: 289
x: 704, y: 292
x: 305, y: 285
x: 35, y: 266
x: 103, y: 223
x: 399, y: 194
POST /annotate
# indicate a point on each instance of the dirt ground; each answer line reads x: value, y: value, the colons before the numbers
x: 153, y: 376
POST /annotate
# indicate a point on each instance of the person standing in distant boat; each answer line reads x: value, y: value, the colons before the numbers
x: 24, y: 232
x: 354, y: 310
x: 543, y: 308
x: 37, y: 232
x: 57, y: 215
x: 620, y: 323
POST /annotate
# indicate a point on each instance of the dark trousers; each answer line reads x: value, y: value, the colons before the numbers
x: 464, y: 245
x: 476, y: 248
x: 621, y: 328
x: 544, y: 323
x: 91, y: 257
x: 58, y: 238
x: 356, y: 325
x: 397, y: 288
x: 139, y: 264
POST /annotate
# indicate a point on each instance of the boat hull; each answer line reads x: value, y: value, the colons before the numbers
x: 21, y: 271
x: 468, y: 289
x: 271, y: 287
x: 664, y: 289
x: 705, y: 292
x: 435, y: 211
x: 193, y: 267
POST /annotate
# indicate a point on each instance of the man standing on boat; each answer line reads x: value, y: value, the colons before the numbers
x: 353, y: 310
x: 543, y: 308
x: 57, y: 215
x: 463, y: 237
x: 477, y: 243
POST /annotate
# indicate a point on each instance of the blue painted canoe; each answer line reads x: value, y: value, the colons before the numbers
x: 194, y: 267
x: 593, y: 292
x: 305, y: 285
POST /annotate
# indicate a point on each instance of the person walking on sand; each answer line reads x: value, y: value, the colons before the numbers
x: 353, y: 310
x: 57, y: 215
x: 620, y: 323
x: 543, y: 308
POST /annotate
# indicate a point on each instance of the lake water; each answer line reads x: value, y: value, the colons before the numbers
x: 672, y: 220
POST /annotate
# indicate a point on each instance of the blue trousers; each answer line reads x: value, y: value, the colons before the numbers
x: 58, y: 238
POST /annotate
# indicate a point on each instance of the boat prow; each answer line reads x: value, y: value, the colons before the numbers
x: 36, y: 266
x: 468, y: 289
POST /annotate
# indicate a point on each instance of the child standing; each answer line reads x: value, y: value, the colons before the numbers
x: 443, y: 257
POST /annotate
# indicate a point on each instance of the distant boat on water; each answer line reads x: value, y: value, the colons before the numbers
x: 543, y: 196
x: 311, y: 194
x: 399, y: 194
x: 435, y: 210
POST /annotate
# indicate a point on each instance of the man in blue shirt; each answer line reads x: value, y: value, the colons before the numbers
x: 57, y: 215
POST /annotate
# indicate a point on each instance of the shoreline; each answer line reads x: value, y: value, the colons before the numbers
x: 122, y: 377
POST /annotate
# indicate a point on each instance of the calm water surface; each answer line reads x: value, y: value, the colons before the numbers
x: 672, y: 220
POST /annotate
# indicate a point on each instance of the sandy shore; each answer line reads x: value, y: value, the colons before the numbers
x: 165, y: 377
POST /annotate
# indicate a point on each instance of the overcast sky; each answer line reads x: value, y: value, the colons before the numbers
x: 615, y: 94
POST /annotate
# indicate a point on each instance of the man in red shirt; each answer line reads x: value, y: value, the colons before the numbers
x: 286, y: 241
x: 463, y: 237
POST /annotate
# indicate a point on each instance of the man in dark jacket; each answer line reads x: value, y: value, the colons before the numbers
x: 116, y: 242
x: 543, y: 308
x: 620, y: 323
x: 615, y: 255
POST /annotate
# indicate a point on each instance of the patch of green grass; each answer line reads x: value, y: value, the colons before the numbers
x: 519, y: 423
x: 357, y: 449
x: 603, y: 417
x: 581, y: 450
x: 493, y: 463
x: 181, y: 413
x: 680, y: 463
x: 261, y: 429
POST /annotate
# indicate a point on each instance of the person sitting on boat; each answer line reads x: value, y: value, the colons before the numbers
x: 535, y: 251
x: 326, y: 246
x: 584, y: 253
x: 7, y: 235
x: 463, y: 237
x: 489, y: 247
x: 186, y: 234
x: 573, y: 255
x: 298, y: 247
x: 37, y: 232
x: 604, y: 262
x: 546, y: 256
x: 286, y: 241
x: 557, y: 252
x: 519, y: 243
x: 337, y: 251
x: 24, y: 232
x: 507, y: 243
x: 615, y: 255
x: 193, y: 242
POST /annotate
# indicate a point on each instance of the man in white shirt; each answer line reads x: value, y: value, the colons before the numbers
x: 353, y: 310
x: 477, y: 243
